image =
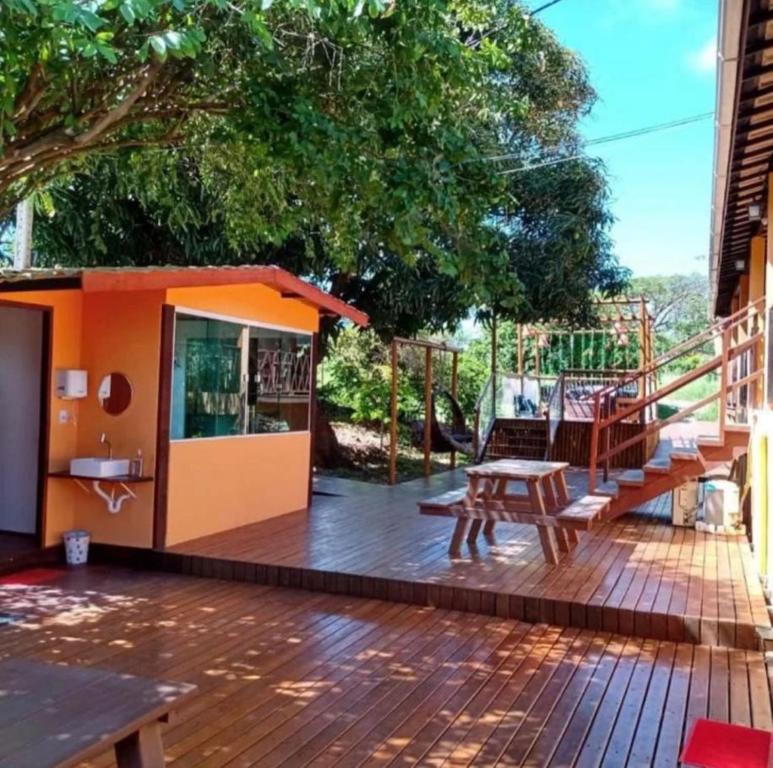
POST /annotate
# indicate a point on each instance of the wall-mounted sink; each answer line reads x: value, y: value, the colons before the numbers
x: 99, y: 467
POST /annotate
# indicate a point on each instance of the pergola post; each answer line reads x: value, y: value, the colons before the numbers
x: 393, y: 357
x: 427, y: 411
x: 454, y: 393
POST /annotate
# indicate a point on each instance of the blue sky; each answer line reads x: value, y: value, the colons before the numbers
x: 651, y: 61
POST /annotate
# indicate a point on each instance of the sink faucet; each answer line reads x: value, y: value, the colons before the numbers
x: 104, y: 441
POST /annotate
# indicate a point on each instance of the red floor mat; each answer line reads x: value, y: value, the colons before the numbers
x: 719, y: 745
x: 32, y: 576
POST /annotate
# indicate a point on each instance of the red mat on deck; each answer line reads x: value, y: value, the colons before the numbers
x: 31, y: 576
x: 719, y: 745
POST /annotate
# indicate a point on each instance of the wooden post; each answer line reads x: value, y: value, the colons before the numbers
x: 427, y: 412
x: 756, y: 292
x: 594, y: 443
x: 494, y: 366
x: 454, y: 388
x: 537, y: 348
x: 723, y: 382
x: 643, y: 346
x: 520, y: 350
x: 393, y: 356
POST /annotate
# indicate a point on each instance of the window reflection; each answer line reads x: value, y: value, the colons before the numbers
x: 233, y: 379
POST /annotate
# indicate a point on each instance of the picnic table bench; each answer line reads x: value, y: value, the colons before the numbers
x: 546, y: 504
x: 56, y: 715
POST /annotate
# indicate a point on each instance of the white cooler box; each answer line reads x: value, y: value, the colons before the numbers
x: 721, y: 504
x: 685, y: 502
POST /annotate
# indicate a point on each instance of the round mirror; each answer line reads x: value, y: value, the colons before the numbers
x: 115, y: 393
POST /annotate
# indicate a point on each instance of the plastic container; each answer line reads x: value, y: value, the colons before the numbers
x: 721, y: 504
x: 76, y: 547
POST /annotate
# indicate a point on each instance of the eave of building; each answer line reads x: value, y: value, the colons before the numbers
x: 743, y: 138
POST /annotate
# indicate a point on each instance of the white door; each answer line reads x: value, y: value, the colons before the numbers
x: 21, y: 371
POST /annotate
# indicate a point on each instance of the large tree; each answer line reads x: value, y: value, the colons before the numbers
x: 373, y: 157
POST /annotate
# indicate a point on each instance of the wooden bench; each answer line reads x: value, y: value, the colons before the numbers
x: 442, y: 504
x: 583, y: 512
x: 55, y: 716
x: 579, y: 515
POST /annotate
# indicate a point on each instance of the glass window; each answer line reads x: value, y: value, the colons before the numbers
x: 234, y: 379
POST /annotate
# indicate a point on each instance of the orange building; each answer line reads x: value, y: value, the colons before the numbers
x: 152, y: 406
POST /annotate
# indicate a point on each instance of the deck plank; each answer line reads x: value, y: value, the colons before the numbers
x: 288, y: 677
x: 635, y: 574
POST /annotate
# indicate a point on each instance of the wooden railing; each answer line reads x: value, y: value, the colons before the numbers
x: 738, y: 363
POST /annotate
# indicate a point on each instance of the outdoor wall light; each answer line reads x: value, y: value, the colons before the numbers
x: 740, y: 265
x: 755, y: 212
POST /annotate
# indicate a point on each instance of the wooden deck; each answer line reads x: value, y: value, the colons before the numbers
x: 287, y: 678
x: 637, y: 575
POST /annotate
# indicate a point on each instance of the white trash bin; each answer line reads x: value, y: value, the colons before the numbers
x: 76, y: 547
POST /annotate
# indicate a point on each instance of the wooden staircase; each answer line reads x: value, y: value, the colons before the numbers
x: 517, y: 439
x: 738, y: 362
x: 671, y: 468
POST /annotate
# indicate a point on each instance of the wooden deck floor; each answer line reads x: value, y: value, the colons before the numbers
x: 287, y: 678
x: 636, y: 575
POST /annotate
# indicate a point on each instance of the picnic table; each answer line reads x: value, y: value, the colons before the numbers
x: 56, y: 715
x: 488, y: 499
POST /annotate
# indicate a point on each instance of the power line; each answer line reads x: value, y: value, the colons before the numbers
x: 602, y: 140
x: 544, y: 7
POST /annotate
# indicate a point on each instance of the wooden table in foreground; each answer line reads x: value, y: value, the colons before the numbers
x: 546, y: 493
x: 55, y: 715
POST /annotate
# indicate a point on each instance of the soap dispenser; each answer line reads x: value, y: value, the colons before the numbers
x: 136, y: 465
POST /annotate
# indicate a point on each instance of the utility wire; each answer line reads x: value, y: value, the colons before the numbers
x: 544, y: 7
x: 602, y: 140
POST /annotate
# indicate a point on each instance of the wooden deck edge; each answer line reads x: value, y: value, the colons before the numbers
x: 656, y: 626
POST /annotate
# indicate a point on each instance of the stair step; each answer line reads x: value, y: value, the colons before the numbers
x: 658, y: 466
x: 631, y: 478
x: 684, y: 456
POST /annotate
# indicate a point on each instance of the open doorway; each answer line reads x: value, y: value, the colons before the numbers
x: 24, y: 377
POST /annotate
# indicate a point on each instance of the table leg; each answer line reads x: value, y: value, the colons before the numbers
x: 549, y: 493
x: 545, y: 535
x: 563, y: 489
x: 496, y: 489
x: 472, y: 536
x: 562, y: 539
x: 537, y: 499
x: 548, y: 547
x: 456, y: 540
x: 141, y: 749
x: 573, y: 536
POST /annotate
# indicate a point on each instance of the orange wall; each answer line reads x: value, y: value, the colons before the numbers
x: 221, y: 483
x: 60, y: 494
x: 121, y: 333
x: 214, y: 484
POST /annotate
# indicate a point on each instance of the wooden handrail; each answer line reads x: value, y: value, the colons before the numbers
x: 676, y: 384
x: 688, y: 345
x: 602, y: 421
x: 656, y: 426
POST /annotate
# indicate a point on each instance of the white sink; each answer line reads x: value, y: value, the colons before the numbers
x: 99, y: 467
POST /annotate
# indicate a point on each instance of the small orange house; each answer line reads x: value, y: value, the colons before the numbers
x: 198, y: 382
